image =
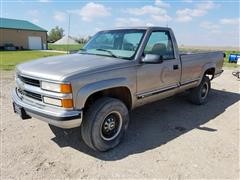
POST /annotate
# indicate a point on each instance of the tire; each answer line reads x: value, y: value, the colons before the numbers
x: 105, y: 124
x: 199, y: 95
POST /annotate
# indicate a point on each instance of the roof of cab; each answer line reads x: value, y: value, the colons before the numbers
x: 140, y: 27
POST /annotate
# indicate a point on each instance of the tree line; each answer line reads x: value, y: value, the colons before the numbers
x: 57, y: 33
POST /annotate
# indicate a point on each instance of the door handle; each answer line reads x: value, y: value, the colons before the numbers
x: 175, y: 67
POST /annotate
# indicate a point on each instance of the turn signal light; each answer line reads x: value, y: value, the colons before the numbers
x: 67, y: 103
x: 66, y: 88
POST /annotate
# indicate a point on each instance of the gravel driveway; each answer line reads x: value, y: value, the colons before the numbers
x: 167, y: 139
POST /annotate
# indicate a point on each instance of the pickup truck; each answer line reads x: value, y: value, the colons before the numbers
x: 115, y: 72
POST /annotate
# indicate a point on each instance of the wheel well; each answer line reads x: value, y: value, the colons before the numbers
x: 210, y: 72
x: 121, y: 93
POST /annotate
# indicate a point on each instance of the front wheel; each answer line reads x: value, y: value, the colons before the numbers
x: 104, y: 124
x: 199, y: 95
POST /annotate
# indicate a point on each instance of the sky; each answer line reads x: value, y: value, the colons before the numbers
x: 194, y: 22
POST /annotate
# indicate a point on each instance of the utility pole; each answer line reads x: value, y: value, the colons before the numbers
x: 68, y: 33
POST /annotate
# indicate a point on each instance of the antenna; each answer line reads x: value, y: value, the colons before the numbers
x: 68, y: 33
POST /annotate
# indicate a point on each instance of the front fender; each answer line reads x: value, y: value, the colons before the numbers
x: 91, y: 88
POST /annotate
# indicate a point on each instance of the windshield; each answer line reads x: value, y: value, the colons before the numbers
x: 115, y: 43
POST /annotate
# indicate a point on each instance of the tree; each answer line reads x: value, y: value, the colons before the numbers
x: 81, y: 40
x: 55, y: 34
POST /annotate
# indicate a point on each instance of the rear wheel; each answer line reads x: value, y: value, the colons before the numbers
x: 199, y: 95
x: 105, y: 124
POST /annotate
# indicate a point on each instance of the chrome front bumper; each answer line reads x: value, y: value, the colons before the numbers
x: 56, y: 116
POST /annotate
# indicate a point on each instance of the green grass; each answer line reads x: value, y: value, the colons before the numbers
x: 70, y: 47
x: 79, y: 46
x: 226, y: 63
x: 9, y: 59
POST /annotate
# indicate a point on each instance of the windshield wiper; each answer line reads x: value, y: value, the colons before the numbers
x: 83, y: 51
x: 110, y: 52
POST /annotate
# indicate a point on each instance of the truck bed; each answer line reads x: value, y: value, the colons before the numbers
x: 194, y: 64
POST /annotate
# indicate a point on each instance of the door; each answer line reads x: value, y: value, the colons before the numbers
x: 34, y: 42
x: 154, y: 78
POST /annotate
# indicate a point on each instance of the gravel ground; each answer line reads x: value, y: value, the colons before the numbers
x: 167, y: 139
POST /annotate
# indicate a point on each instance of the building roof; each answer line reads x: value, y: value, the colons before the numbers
x: 66, y: 40
x: 19, y: 24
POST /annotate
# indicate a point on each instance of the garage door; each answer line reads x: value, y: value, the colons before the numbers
x: 34, y: 42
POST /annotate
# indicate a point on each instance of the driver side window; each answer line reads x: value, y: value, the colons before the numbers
x: 160, y: 43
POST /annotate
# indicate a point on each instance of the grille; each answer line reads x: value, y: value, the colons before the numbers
x: 30, y: 94
x: 29, y: 81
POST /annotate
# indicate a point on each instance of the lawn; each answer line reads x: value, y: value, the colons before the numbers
x: 9, y: 59
x: 70, y: 47
x: 226, y: 63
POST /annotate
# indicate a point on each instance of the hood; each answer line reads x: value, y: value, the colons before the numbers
x: 60, y: 67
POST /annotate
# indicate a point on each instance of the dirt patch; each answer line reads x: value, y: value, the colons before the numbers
x: 167, y: 139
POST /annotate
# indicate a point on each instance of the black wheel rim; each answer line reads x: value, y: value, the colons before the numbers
x: 111, y: 126
x: 204, y: 90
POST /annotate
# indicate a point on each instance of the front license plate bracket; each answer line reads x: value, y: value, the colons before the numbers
x: 20, y: 111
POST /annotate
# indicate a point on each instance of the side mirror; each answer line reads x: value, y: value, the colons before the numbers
x: 152, y: 59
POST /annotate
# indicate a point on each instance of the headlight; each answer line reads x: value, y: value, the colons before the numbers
x: 52, y: 101
x: 66, y: 103
x: 63, y: 88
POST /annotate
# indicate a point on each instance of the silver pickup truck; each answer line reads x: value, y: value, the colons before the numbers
x: 115, y: 72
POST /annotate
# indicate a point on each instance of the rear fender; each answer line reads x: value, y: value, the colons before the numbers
x: 205, y: 68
